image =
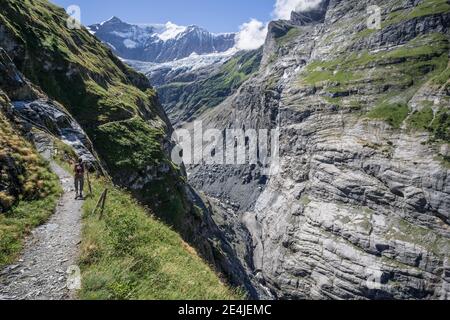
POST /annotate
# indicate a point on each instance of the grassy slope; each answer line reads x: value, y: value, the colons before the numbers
x: 129, y: 255
x: 36, y: 197
x: 115, y: 105
x: 289, y: 36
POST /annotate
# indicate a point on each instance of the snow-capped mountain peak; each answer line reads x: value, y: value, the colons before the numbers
x: 113, y: 19
x: 159, y: 42
x: 171, y: 31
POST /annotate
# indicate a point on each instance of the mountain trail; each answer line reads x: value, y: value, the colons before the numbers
x: 51, y: 250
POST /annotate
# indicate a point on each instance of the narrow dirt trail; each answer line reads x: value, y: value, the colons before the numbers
x: 41, y: 271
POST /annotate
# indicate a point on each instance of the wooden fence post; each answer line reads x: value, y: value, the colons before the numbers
x: 100, y: 200
x: 103, y: 204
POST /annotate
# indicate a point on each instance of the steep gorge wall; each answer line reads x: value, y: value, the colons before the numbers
x: 360, y: 208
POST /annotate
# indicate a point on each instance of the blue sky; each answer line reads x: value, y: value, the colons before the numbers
x: 214, y: 15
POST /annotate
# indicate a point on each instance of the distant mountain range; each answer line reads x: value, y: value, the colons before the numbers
x: 160, y: 42
x: 174, y: 57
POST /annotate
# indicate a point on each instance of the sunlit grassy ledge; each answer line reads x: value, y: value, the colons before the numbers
x: 131, y: 255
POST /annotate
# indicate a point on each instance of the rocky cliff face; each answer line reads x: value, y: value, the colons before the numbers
x: 311, y: 16
x: 159, y: 43
x: 360, y: 207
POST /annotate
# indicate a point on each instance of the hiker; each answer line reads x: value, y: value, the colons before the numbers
x: 79, y: 178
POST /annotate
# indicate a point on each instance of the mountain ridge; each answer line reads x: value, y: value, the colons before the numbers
x: 159, y: 43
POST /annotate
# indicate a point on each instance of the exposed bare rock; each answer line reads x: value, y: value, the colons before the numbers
x: 360, y: 208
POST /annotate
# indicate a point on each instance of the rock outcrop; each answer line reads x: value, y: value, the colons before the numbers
x: 313, y: 15
x: 24, y: 175
x: 30, y: 107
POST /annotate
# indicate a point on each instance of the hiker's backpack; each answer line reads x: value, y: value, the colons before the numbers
x: 79, y: 170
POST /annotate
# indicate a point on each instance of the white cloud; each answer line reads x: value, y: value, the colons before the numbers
x: 252, y: 35
x: 283, y: 8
